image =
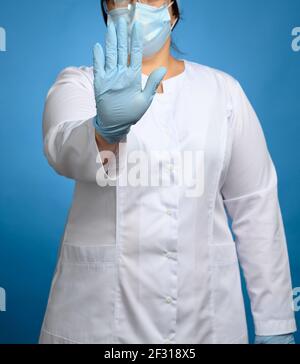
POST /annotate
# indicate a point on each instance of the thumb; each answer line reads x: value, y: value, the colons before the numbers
x: 153, y: 82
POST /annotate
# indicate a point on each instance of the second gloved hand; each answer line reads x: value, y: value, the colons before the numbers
x: 275, y: 339
x: 120, y: 100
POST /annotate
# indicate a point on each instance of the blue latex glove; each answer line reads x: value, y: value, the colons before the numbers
x: 275, y: 339
x: 120, y: 100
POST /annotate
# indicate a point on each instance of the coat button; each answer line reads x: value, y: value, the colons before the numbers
x: 168, y: 340
x: 168, y: 299
x: 170, y: 166
x: 169, y: 212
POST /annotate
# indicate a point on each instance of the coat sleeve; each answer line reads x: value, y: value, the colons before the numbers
x: 250, y: 194
x: 68, y: 132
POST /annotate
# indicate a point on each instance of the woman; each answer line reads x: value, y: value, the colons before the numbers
x: 157, y: 263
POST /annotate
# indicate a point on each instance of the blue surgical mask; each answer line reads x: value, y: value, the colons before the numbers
x: 155, y: 22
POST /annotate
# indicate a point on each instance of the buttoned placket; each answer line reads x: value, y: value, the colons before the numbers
x: 170, y: 205
x: 167, y: 251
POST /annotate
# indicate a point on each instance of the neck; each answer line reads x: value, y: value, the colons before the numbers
x: 161, y: 59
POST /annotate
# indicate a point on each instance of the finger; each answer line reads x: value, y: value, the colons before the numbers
x: 122, y: 37
x: 98, y: 61
x: 136, y: 54
x: 111, y: 48
x: 154, y: 81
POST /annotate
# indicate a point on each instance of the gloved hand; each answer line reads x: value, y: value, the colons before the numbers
x: 275, y: 339
x: 120, y: 100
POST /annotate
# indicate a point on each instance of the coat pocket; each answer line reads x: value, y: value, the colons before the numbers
x: 228, y: 303
x: 81, y: 301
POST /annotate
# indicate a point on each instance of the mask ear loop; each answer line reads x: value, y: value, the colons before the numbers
x: 175, y: 22
x: 105, y: 6
x: 176, y: 19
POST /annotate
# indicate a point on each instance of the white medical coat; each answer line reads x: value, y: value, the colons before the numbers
x: 151, y: 264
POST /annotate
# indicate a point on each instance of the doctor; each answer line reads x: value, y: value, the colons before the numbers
x: 157, y: 263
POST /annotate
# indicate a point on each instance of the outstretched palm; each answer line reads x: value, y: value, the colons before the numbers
x: 120, y: 100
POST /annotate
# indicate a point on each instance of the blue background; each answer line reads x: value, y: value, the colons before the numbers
x: 251, y: 40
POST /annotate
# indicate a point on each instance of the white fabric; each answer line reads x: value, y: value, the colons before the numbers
x: 151, y: 264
